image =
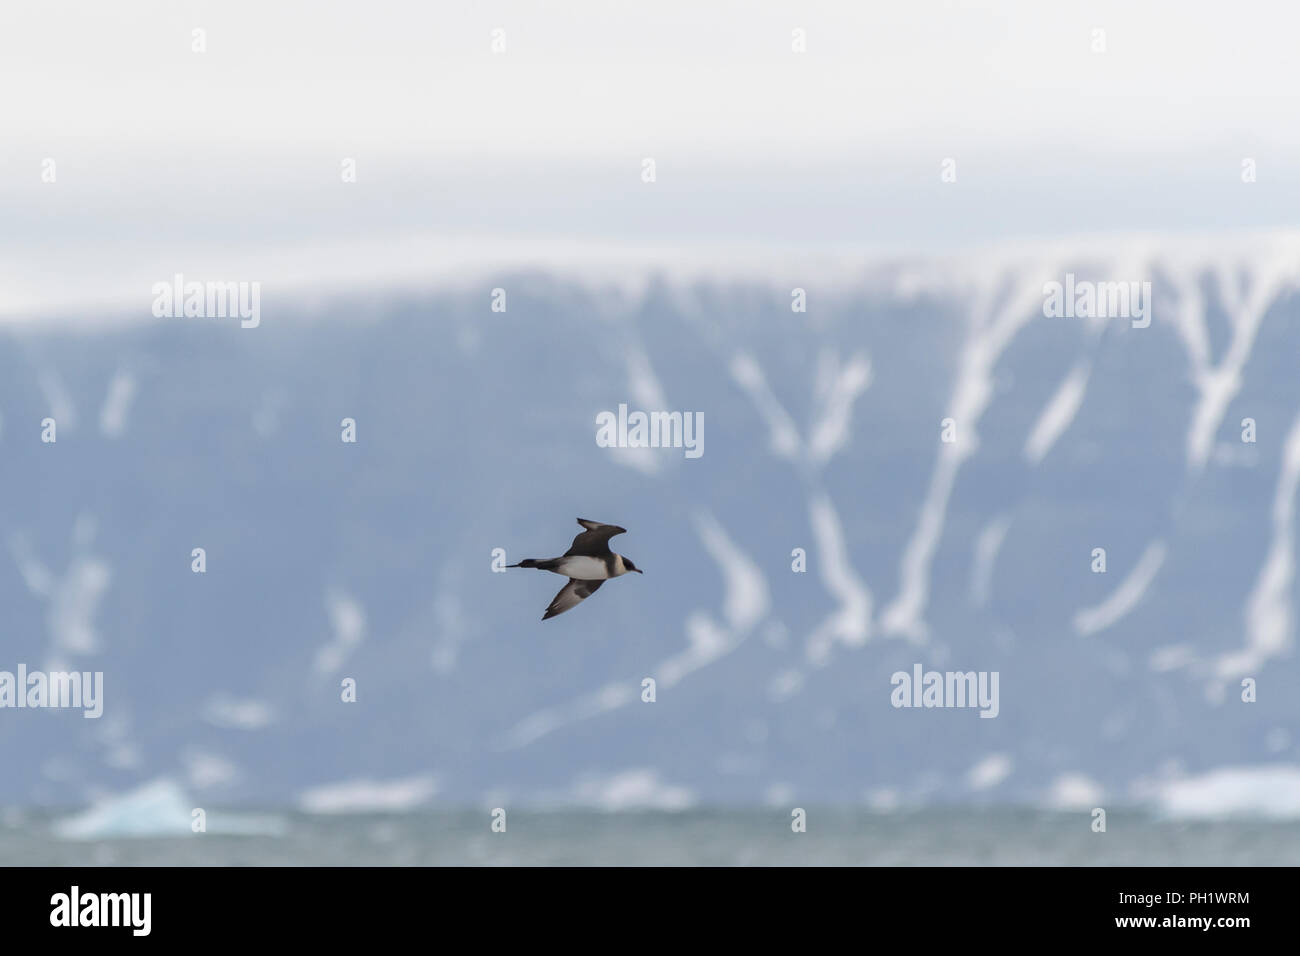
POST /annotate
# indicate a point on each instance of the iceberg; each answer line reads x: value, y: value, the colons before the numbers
x: 157, y: 809
x: 1265, y: 792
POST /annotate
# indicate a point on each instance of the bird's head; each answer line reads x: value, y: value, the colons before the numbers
x: 627, y: 563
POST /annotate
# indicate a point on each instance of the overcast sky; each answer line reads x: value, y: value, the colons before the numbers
x: 238, y: 149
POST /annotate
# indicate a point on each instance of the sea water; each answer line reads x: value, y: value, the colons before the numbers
x: 710, y: 837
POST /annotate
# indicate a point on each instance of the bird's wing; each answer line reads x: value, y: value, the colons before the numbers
x: 571, y: 595
x: 595, y: 540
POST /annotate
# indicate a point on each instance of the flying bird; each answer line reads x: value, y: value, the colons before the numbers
x: 587, y: 564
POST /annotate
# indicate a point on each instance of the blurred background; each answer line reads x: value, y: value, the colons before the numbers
x: 919, y: 171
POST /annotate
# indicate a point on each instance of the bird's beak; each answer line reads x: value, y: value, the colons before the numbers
x: 639, y: 571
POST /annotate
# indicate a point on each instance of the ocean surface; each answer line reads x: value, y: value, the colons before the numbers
x: 749, y: 837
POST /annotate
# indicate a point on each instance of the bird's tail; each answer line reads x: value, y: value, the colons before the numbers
x: 542, y: 564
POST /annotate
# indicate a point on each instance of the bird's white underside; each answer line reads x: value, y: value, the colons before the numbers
x: 583, y: 568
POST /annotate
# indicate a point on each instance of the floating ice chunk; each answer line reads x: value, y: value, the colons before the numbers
x: 990, y: 772
x: 361, y: 796
x: 1270, y: 791
x: 638, y: 789
x: 1074, y: 791
x: 157, y: 809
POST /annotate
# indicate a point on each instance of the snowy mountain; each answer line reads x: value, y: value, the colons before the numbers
x: 823, y: 430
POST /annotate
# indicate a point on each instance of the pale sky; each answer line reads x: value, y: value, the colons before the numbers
x: 238, y: 148
x: 589, y: 78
